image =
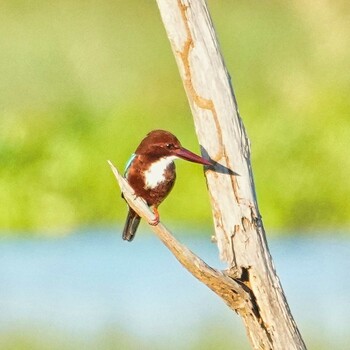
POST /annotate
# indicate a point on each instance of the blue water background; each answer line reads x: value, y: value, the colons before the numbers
x: 88, y: 282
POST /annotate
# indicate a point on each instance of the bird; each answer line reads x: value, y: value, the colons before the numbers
x: 151, y: 173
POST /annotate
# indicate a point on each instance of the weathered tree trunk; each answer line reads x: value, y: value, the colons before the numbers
x: 238, y: 226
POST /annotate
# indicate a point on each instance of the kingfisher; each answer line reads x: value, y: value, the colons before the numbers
x: 151, y: 173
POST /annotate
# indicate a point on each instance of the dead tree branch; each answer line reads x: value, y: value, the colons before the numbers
x: 233, y: 291
x: 238, y: 225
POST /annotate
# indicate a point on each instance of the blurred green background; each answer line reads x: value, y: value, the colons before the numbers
x: 84, y: 81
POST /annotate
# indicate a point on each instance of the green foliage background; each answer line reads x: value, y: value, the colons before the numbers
x: 84, y: 81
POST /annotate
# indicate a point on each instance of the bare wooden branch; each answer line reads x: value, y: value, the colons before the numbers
x: 233, y: 291
x: 238, y: 225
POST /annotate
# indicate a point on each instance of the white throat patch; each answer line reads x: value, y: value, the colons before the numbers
x: 156, y: 172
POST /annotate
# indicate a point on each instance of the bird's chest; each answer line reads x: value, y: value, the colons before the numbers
x: 154, y: 181
x: 159, y: 173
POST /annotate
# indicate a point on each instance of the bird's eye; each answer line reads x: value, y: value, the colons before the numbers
x: 170, y: 146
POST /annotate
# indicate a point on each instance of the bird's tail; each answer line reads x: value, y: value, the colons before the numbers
x: 131, y: 225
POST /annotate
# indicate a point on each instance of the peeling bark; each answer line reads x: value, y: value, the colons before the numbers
x: 234, y: 291
x: 239, y: 230
x: 249, y: 285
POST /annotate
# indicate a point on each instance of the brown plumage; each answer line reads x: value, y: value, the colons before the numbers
x: 151, y: 173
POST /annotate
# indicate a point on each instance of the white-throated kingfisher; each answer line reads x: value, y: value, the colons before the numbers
x: 151, y: 173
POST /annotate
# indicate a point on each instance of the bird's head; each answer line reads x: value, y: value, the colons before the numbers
x: 161, y: 144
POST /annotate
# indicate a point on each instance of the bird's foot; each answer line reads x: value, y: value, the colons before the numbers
x: 155, y: 221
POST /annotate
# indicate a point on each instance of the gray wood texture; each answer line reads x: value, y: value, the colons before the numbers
x: 249, y: 285
x: 238, y: 225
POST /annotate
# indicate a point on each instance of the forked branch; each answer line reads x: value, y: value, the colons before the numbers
x: 233, y: 291
x: 239, y: 230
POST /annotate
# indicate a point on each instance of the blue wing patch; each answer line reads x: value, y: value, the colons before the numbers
x: 128, y: 164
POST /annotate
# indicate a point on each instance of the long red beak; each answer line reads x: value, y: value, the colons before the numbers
x: 192, y: 157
